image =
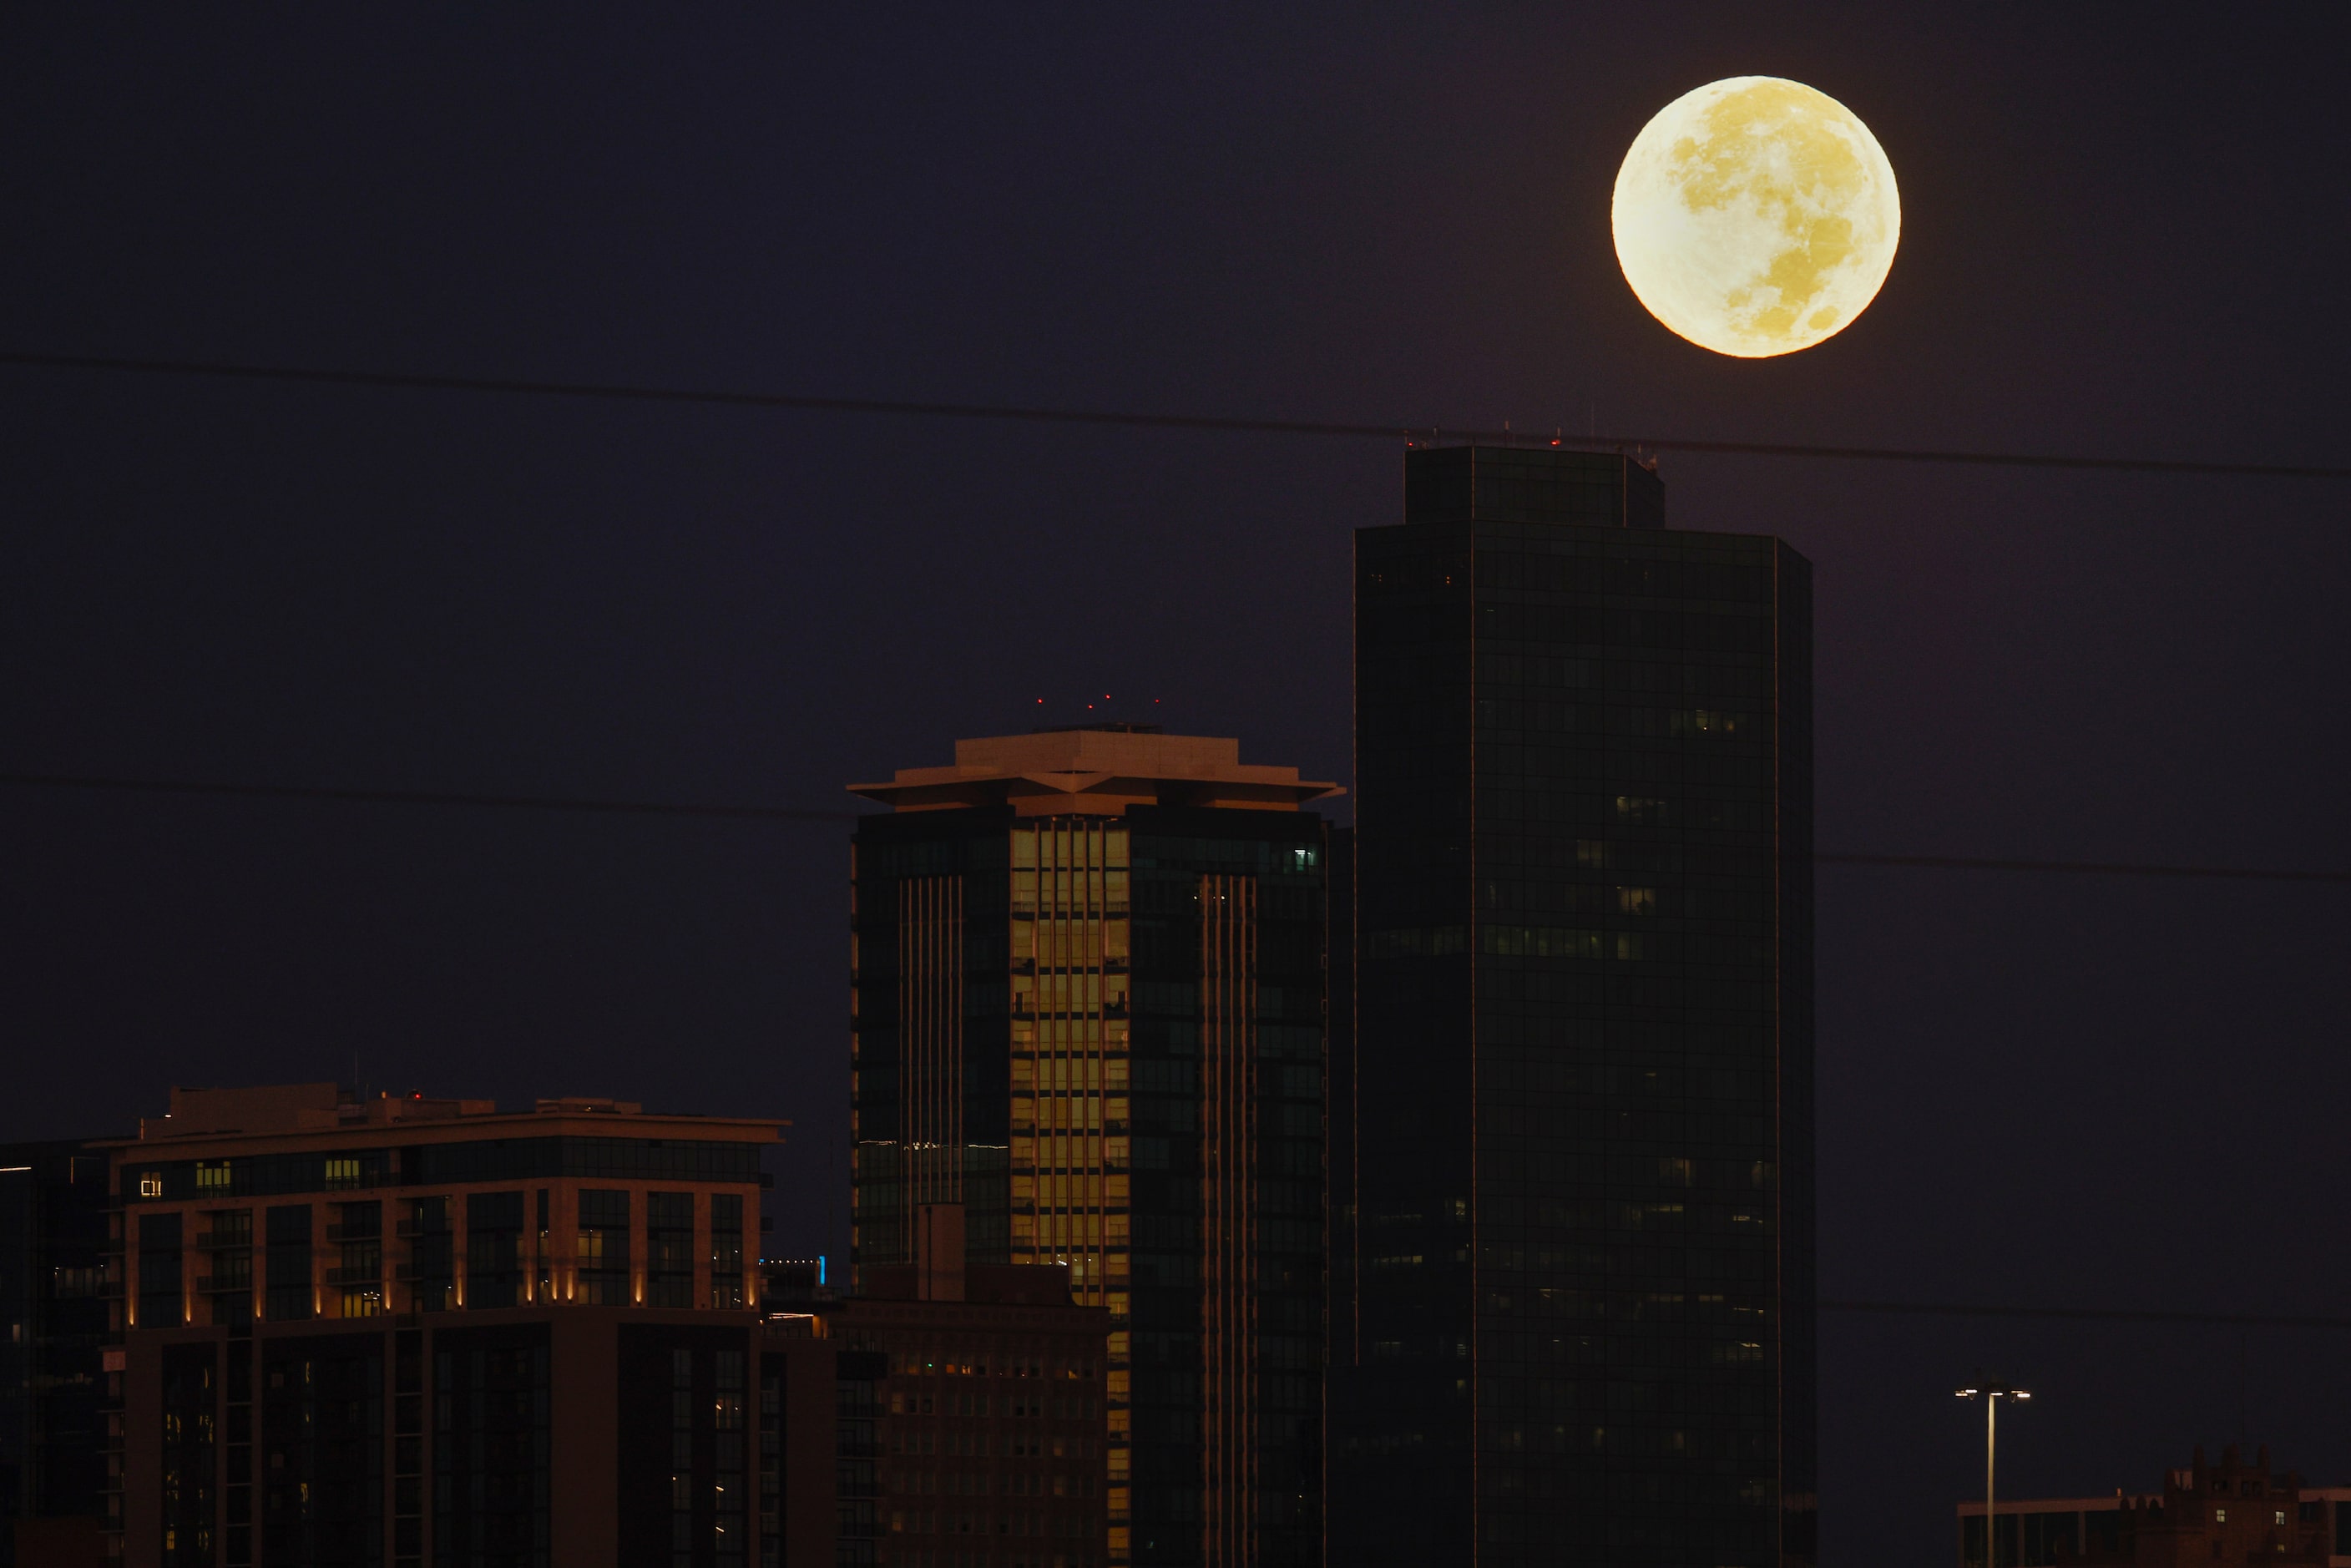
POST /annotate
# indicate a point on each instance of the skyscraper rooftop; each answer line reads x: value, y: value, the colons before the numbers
x: 1097, y: 770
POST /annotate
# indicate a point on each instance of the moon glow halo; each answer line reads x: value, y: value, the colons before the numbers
x: 1756, y: 216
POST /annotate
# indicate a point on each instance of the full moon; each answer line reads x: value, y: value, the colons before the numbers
x: 1756, y: 216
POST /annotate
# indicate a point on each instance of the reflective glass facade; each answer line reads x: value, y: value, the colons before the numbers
x: 1103, y: 1034
x: 53, y: 1319
x: 1580, y: 1235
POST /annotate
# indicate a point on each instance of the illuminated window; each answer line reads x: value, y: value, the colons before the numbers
x: 600, y: 1248
x: 150, y: 1184
x: 2219, y: 1516
x: 669, y: 1238
x: 1703, y: 721
x: 1071, y: 945
x: 342, y: 1174
x: 1636, y: 901
x: 725, y: 1250
x: 1643, y: 809
x: 212, y: 1176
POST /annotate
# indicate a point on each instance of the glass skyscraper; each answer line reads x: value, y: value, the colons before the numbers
x: 1574, y: 1218
x: 1088, y: 1007
x: 53, y: 1320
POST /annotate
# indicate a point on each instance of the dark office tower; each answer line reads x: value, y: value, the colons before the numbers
x: 54, y: 1200
x: 1582, y: 1089
x: 1341, y: 1263
x: 1088, y: 1008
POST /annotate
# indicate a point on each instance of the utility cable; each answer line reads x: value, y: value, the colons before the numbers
x: 2083, y: 868
x: 622, y: 392
x: 430, y: 797
x: 814, y: 814
x: 2085, y: 1314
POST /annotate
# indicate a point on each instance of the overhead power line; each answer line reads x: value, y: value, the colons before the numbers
x: 815, y: 814
x: 607, y: 392
x: 430, y: 798
x: 2084, y: 868
x: 2085, y: 1314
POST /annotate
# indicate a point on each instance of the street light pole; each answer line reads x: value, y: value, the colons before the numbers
x: 1991, y: 1393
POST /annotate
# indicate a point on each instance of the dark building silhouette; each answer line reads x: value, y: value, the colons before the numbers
x: 53, y: 1329
x: 1087, y: 1009
x: 990, y: 1407
x: 2232, y: 1513
x: 1340, y: 1262
x: 418, y: 1332
x: 1577, y: 1244
x: 794, y: 1284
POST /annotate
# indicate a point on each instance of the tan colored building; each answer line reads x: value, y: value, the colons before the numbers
x: 1088, y: 1010
x: 1098, y: 770
x: 412, y: 1332
x: 295, y: 1204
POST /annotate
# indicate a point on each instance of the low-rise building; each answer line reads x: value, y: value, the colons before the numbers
x: 991, y: 1414
x: 2224, y: 1515
x: 412, y: 1331
x: 419, y: 1333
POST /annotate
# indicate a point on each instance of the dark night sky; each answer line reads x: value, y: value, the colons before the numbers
x: 2122, y: 234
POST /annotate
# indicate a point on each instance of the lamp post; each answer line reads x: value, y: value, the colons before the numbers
x: 1991, y: 1393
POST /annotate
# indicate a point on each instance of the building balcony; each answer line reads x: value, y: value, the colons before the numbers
x: 225, y: 1241
x: 223, y: 1284
x: 370, y: 1230
x: 356, y: 1274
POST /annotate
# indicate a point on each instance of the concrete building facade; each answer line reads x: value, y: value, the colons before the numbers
x: 420, y: 1332
x: 991, y: 1408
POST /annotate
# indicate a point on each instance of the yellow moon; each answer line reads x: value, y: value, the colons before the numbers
x: 1756, y: 216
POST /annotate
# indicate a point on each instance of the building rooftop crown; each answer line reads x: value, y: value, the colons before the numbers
x: 1097, y: 770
